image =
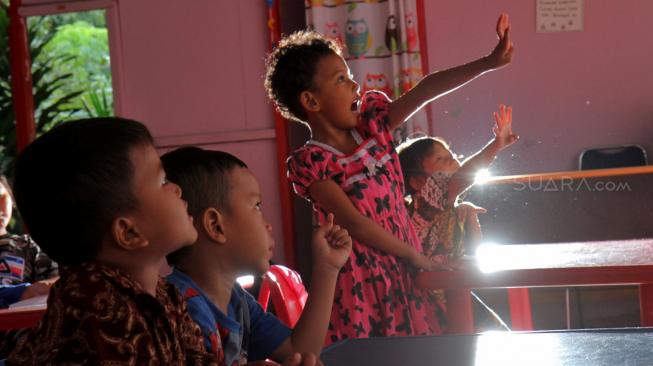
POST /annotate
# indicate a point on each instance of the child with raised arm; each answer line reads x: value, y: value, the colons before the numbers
x: 350, y: 167
x: 434, y: 181
x: 235, y: 239
x: 94, y: 195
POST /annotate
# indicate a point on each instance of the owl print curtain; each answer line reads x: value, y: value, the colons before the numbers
x: 381, y: 45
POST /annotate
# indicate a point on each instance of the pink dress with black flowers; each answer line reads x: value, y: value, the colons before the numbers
x: 374, y: 295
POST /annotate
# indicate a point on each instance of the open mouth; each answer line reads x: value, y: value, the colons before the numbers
x: 356, y: 105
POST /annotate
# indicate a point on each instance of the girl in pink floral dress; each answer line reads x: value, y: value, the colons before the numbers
x: 350, y: 168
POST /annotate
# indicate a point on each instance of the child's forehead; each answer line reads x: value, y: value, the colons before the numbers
x: 243, y: 179
x: 332, y: 63
x: 438, y: 149
x: 145, y: 157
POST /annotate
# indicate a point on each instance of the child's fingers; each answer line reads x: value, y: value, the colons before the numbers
x: 325, y: 228
x: 331, y: 234
x: 309, y: 359
x: 509, y: 114
x: 293, y: 360
x: 506, y: 37
x: 501, y: 24
x: 329, y: 222
x: 340, y: 238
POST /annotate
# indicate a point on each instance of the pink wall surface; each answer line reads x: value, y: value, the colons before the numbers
x: 193, y: 72
x: 570, y: 90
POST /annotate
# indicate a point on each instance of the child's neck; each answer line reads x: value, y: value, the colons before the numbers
x: 340, y: 139
x: 213, y: 275
x: 145, y: 274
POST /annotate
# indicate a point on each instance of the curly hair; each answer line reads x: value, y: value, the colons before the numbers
x: 290, y: 69
x: 411, y: 156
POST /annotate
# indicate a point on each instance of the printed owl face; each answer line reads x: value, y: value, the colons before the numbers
x: 332, y: 30
x: 411, y: 32
x: 391, y: 24
x: 376, y: 82
x: 357, y: 37
x: 356, y: 28
x: 392, y: 37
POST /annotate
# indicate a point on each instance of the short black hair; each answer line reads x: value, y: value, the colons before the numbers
x: 290, y: 69
x: 411, y: 156
x: 74, y: 180
x: 203, y: 176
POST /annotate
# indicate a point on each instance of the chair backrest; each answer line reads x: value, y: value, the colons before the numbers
x: 284, y: 286
x: 612, y: 157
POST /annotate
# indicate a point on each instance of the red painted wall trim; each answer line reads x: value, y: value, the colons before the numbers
x: 421, y: 30
x: 281, y: 127
x: 21, y: 77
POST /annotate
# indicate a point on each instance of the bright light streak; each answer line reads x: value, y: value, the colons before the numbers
x: 245, y: 281
x: 482, y: 176
x: 492, y: 257
x: 509, y: 349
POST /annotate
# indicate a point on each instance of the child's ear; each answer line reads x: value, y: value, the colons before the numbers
x: 213, y: 225
x: 126, y: 235
x: 308, y: 101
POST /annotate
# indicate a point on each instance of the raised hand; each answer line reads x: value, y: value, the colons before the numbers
x: 503, y: 127
x: 467, y: 211
x: 502, y: 53
x: 331, y: 245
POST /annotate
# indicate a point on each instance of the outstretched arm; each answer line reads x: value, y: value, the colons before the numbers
x: 331, y: 248
x: 333, y: 199
x: 503, y: 137
x: 440, y: 83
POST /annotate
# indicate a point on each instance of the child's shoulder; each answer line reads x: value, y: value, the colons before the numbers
x: 183, y: 284
x: 312, y: 156
x: 17, y: 241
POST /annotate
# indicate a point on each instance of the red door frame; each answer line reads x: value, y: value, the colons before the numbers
x: 21, y: 76
x: 281, y: 128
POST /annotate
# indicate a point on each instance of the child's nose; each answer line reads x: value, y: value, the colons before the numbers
x: 268, y: 227
x: 355, y: 86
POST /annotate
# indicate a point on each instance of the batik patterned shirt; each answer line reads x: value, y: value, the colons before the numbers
x: 99, y: 316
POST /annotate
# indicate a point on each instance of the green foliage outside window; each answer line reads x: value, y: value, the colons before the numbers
x: 71, y: 73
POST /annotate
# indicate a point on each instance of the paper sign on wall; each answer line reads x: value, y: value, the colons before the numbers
x: 559, y: 15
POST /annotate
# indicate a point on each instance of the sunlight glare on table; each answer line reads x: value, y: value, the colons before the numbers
x: 507, y: 349
x: 492, y: 257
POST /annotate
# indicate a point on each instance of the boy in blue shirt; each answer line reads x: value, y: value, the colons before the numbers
x: 235, y: 239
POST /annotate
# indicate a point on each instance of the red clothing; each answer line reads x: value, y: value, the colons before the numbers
x: 99, y: 316
x: 375, y: 295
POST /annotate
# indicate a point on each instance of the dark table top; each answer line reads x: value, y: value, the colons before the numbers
x: 631, y: 346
